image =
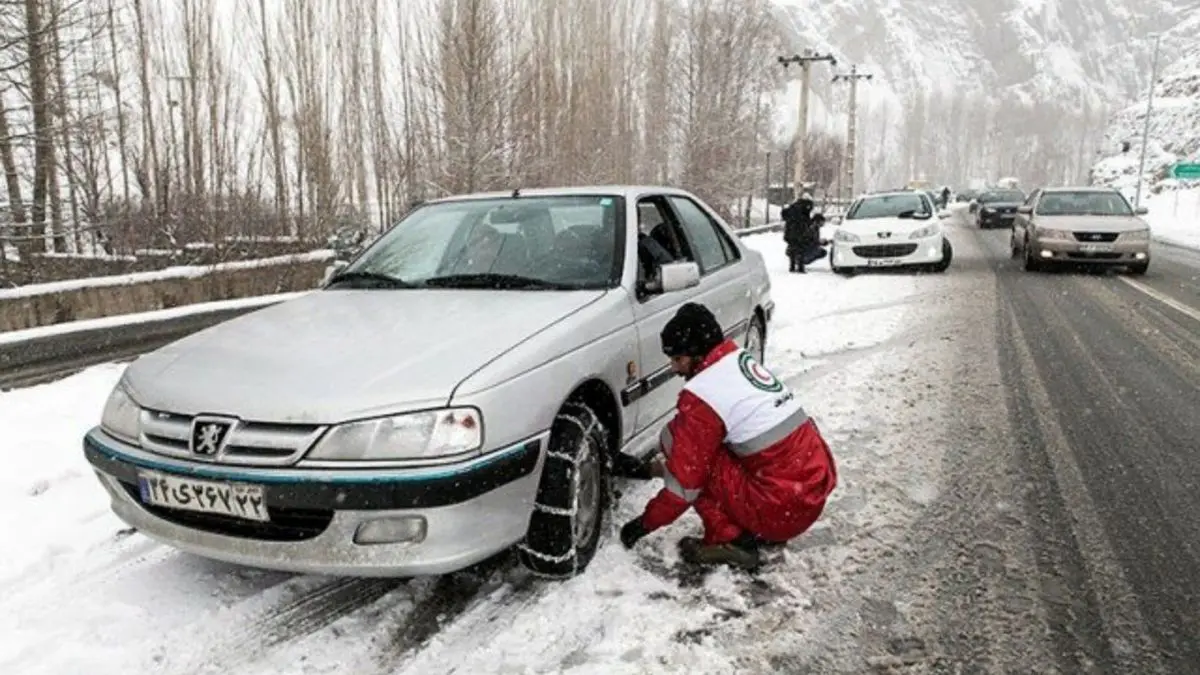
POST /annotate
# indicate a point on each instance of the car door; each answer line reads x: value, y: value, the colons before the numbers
x: 724, y: 288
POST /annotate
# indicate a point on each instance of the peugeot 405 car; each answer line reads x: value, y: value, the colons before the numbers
x: 1095, y: 226
x: 891, y: 229
x: 463, y: 385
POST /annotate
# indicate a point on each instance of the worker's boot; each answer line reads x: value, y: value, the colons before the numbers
x: 740, y: 552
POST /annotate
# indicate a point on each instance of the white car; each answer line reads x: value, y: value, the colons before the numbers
x: 891, y: 229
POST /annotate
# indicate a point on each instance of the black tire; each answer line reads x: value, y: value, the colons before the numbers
x: 947, y: 257
x: 1013, y: 251
x: 552, y: 546
x: 1139, y: 270
x: 1031, y: 264
x: 757, y: 328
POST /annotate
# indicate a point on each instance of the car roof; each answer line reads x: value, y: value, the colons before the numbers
x: 892, y: 193
x: 627, y: 191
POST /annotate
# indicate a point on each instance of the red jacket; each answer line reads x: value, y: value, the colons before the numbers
x: 776, y: 493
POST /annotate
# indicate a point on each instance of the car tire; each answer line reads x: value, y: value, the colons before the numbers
x: 1139, y: 270
x: 573, y: 495
x: 756, y: 331
x: 1014, y: 251
x: 1031, y: 264
x: 947, y: 257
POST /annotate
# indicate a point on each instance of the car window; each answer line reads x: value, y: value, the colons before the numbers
x: 1084, y: 203
x: 702, y: 233
x: 1002, y: 196
x: 566, y: 240
x: 889, y: 206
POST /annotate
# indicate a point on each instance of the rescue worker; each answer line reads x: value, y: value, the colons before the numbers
x: 740, y: 450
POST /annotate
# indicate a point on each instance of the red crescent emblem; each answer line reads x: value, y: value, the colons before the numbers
x: 761, y: 373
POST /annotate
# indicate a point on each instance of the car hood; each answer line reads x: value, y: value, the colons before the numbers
x: 897, y: 226
x: 335, y: 355
x: 1092, y: 223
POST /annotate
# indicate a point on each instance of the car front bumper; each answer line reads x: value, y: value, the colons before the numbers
x: 997, y: 219
x: 470, y: 511
x: 1115, y: 253
x: 889, y: 252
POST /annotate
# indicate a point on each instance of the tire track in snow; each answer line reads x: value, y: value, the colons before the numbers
x: 239, y: 636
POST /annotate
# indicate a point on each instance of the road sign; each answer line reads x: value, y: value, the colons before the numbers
x: 1186, y: 171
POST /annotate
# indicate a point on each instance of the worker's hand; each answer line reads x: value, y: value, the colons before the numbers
x: 632, y: 532
x: 658, y: 468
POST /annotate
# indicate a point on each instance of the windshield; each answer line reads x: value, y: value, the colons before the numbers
x: 569, y: 242
x: 1002, y: 196
x: 1083, y: 203
x: 889, y: 206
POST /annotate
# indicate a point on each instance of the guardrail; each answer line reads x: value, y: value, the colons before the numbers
x: 47, y: 358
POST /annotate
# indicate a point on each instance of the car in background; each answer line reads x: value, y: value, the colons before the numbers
x: 891, y: 229
x: 1091, y: 225
x: 965, y: 196
x: 463, y: 385
x: 997, y: 208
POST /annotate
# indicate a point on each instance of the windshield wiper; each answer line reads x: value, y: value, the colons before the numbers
x: 498, y: 281
x: 379, y: 280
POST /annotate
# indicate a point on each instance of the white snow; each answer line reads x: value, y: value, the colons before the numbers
x: 13, y: 336
x: 1175, y: 217
x: 179, y: 272
x: 78, y: 593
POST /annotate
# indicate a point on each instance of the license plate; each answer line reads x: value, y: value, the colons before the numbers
x: 884, y: 262
x: 239, y: 500
x: 1096, y: 248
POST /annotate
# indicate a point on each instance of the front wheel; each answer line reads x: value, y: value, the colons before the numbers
x: 572, y: 496
x: 1031, y: 264
x: 947, y: 257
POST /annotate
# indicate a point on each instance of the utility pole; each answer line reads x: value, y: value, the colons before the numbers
x: 1137, y: 200
x: 184, y: 149
x: 851, y: 154
x: 805, y: 62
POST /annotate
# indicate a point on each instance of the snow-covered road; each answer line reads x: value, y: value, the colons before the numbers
x: 79, y: 593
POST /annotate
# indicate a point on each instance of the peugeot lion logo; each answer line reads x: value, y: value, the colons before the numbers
x: 208, y: 435
x: 884, y: 235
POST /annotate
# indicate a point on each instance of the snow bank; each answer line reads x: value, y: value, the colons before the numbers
x: 1175, y: 217
x: 66, y: 328
x: 82, y: 594
x: 179, y: 272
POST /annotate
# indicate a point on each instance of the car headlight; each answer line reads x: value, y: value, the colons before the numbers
x: 927, y: 231
x: 122, y: 417
x: 847, y: 237
x: 419, y: 435
x: 1046, y: 233
x: 1136, y: 235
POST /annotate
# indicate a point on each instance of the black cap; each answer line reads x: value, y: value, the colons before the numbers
x: 693, y: 331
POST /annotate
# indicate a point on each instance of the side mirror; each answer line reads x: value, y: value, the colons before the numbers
x: 332, y: 269
x: 1025, y: 210
x: 677, y: 276
x: 1141, y: 211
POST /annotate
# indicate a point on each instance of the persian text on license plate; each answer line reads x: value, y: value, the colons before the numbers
x: 1096, y: 248
x: 238, y: 500
x: 884, y: 262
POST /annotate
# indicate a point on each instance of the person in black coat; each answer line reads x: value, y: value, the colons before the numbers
x: 797, y: 231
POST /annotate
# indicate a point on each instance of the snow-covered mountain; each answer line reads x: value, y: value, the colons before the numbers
x: 1065, y: 63
x: 1174, y: 132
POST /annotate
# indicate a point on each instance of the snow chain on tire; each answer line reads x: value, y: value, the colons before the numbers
x: 551, y: 523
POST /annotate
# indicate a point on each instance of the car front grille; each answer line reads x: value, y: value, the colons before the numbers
x: 1096, y: 237
x: 248, y: 443
x: 287, y: 524
x: 884, y: 250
